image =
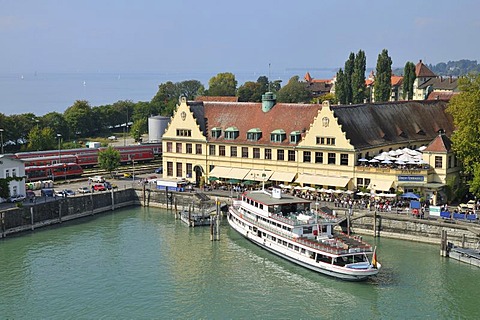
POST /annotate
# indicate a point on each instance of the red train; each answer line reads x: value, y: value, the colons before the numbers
x: 56, y: 171
x: 88, y: 157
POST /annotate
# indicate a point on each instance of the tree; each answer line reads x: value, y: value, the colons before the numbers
x: 409, y: 77
x: 79, y: 117
x: 349, y: 67
x: 465, y: 109
x: 326, y: 97
x: 383, y: 79
x: 340, y: 87
x: 358, y: 78
x: 139, y: 127
x: 109, y: 159
x: 191, y: 89
x: 223, y: 84
x: 294, y: 92
x: 41, y: 139
x: 249, y: 92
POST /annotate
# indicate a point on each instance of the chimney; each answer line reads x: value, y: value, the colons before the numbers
x: 450, y: 81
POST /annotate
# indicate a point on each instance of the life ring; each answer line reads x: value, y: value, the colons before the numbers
x: 415, y: 212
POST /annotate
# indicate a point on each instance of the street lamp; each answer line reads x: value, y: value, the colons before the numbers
x: 1, y: 138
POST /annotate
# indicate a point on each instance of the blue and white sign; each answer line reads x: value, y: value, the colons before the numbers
x: 411, y: 178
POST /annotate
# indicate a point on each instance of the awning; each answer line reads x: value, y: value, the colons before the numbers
x: 220, y: 172
x: 282, y: 176
x: 238, y: 173
x: 323, y: 180
x: 382, y: 185
x: 258, y: 175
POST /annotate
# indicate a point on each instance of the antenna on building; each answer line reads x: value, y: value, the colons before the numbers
x: 269, y: 81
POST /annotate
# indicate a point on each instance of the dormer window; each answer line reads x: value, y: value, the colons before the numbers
x: 295, y: 136
x: 278, y: 135
x: 216, y: 132
x: 254, y: 134
x: 231, y: 133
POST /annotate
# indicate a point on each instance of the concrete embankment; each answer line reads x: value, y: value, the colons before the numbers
x: 399, y: 226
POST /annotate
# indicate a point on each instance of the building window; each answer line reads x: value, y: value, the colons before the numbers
x: 254, y: 134
x: 295, y: 137
x: 221, y: 151
x: 449, y: 162
x: 231, y: 133
x: 169, y: 147
x: 188, y: 148
x: 189, y: 170
x: 14, y: 172
x: 331, y: 158
x: 325, y: 141
x: 438, y: 162
x: 216, y: 132
x: 198, y: 148
x: 359, y: 182
x: 244, y: 152
x: 307, y: 156
x: 169, y: 168
x: 268, y: 154
x: 344, y: 159
x: 256, y: 153
x: 291, y: 155
x: 280, y: 155
x: 179, y: 147
x: 179, y: 170
x: 211, y: 149
x: 7, y: 173
x: 184, y: 133
x: 366, y: 182
x: 318, y: 157
x: 278, y: 135
x: 233, y: 152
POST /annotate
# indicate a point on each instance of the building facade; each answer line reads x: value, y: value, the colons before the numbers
x: 9, y: 168
x: 316, y: 145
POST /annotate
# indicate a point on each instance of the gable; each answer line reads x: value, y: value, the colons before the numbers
x: 183, y: 119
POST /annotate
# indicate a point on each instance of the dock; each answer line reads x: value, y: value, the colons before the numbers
x: 466, y: 255
x: 195, y: 219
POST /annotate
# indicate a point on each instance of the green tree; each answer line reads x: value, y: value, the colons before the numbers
x: 191, y: 89
x: 56, y: 122
x: 294, y: 92
x: 340, y: 87
x: 79, y: 118
x: 409, y: 77
x: 383, y: 78
x: 349, y: 68
x: 358, y: 77
x: 223, y: 84
x: 41, y: 139
x: 326, y: 97
x: 109, y: 159
x: 465, y: 110
x: 139, y: 127
x: 249, y: 92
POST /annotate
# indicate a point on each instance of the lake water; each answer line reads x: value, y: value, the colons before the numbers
x: 41, y: 93
x: 140, y: 263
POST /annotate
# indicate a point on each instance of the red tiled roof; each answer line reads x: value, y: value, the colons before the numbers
x: 396, y: 80
x: 440, y: 144
x: 217, y: 98
x: 441, y: 95
x: 422, y: 70
x: 246, y: 116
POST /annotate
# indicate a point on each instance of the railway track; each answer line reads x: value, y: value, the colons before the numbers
x: 137, y: 169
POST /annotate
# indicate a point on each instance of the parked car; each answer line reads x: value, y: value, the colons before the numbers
x: 59, y: 193
x: 97, y: 179
x: 159, y: 170
x: 68, y: 192
x: 84, y: 190
x: 127, y: 175
x: 30, y: 194
x: 99, y: 187
x: 47, y: 193
x: 16, y: 198
x: 109, y: 185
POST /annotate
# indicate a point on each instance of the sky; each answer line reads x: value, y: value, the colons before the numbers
x: 230, y: 36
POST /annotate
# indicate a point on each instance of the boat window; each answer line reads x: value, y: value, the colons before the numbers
x: 274, y: 238
x: 290, y: 246
x: 340, y: 261
x: 303, y: 250
x: 307, y: 229
x: 323, y: 258
x: 297, y: 248
x: 360, y: 258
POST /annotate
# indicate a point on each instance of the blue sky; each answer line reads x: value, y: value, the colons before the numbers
x: 230, y: 36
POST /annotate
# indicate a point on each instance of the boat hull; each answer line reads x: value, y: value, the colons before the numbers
x: 320, y: 267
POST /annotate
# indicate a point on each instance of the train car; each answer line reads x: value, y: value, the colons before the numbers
x: 137, y: 155
x: 43, y: 161
x: 56, y: 171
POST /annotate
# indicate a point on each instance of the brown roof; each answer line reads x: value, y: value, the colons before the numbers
x: 396, y: 80
x: 441, y: 83
x: 440, y: 144
x: 441, y: 95
x: 366, y: 125
x: 422, y: 70
x: 217, y: 98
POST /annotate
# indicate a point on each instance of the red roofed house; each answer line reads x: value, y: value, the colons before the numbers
x: 428, y: 82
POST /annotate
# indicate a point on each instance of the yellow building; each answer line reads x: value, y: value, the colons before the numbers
x: 310, y: 144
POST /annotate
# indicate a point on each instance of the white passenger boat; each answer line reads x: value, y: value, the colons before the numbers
x: 286, y: 226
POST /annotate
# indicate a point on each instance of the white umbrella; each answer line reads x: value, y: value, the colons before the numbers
x: 329, y: 191
x: 363, y: 160
x: 422, y: 148
x: 297, y: 188
x: 421, y: 161
x: 386, y: 161
x: 360, y: 193
x: 381, y: 194
x: 349, y: 192
x: 412, y: 162
x: 338, y: 191
x: 281, y: 185
x: 374, y: 160
x: 322, y: 190
x: 311, y: 189
x: 400, y: 162
x: 390, y: 195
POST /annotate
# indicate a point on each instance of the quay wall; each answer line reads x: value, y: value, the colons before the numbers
x: 465, y: 234
x: 30, y: 217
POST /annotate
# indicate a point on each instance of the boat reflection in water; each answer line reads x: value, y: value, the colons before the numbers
x: 286, y: 226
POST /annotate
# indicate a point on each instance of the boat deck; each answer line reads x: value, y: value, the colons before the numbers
x: 470, y: 256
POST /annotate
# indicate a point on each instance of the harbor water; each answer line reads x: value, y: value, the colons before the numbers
x: 141, y: 263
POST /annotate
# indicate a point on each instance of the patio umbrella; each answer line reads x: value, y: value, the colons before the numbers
x: 212, y: 178
x: 248, y: 182
x: 349, y: 192
x: 387, y: 161
x: 410, y: 195
x: 338, y: 191
x: 360, y: 193
x: 363, y: 160
x: 374, y: 160
x: 233, y: 181
x: 400, y: 162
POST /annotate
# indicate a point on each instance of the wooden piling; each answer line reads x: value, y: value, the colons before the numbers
x: 375, y: 223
